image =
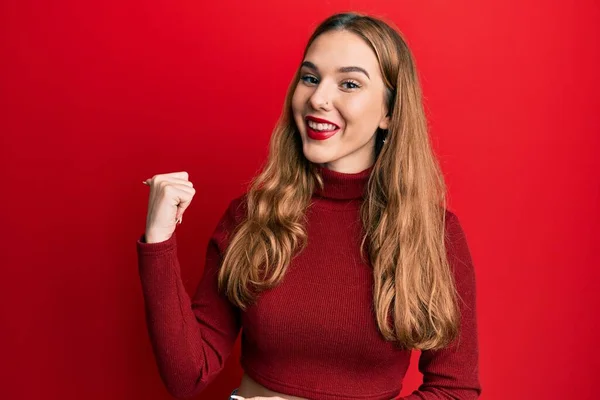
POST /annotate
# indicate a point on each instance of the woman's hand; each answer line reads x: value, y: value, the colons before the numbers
x: 170, y: 195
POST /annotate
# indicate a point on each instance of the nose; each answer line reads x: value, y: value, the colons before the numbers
x: 322, y: 97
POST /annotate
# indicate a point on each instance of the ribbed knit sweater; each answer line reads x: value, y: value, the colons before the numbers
x: 315, y: 335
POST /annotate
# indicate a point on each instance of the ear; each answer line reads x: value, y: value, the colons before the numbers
x: 385, y: 122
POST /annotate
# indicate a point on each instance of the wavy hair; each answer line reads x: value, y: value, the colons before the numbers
x: 403, y: 214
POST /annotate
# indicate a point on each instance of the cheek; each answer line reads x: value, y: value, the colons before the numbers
x: 298, y: 108
x: 298, y: 99
x: 354, y: 109
x: 361, y: 111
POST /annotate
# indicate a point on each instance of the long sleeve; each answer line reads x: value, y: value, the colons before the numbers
x: 191, y: 338
x: 453, y: 372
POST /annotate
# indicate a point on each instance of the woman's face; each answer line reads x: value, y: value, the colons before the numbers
x: 339, y: 102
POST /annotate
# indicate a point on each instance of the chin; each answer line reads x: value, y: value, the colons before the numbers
x: 318, y: 156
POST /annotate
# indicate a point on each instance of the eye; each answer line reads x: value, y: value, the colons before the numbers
x: 350, y: 84
x: 309, y: 79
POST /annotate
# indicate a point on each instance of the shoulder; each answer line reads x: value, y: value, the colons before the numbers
x: 451, y: 217
x: 231, y: 217
x: 457, y: 248
x: 453, y: 230
x: 237, y: 208
x: 233, y: 214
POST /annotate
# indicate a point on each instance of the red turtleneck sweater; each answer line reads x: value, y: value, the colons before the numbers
x: 315, y: 335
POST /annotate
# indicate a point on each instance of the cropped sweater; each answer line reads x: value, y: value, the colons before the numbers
x: 315, y: 335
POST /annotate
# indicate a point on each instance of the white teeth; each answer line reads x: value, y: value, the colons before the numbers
x: 321, y: 127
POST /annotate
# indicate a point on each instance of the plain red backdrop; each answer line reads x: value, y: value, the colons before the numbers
x: 95, y: 97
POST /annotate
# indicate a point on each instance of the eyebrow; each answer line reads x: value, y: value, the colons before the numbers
x: 312, y: 66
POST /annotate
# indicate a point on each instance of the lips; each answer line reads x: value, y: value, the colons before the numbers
x: 320, y: 134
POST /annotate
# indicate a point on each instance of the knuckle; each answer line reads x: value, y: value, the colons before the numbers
x: 168, y: 189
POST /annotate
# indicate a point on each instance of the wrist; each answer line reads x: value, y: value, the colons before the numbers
x: 153, y: 238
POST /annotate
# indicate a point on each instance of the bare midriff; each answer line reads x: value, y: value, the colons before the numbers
x: 250, y: 388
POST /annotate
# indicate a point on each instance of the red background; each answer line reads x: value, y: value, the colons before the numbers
x: 97, y: 97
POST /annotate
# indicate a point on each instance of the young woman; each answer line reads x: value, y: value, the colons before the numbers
x: 339, y: 260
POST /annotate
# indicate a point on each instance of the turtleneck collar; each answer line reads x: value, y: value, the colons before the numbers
x: 344, y: 186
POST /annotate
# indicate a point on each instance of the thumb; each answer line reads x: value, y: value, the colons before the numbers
x: 179, y: 216
x: 181, y: 207
x: 179, y: 213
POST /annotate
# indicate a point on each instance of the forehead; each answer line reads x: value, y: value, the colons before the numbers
x: 335, y: 49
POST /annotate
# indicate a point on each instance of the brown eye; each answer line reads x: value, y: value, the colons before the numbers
x: 350, y: 85
x: 311, y: 80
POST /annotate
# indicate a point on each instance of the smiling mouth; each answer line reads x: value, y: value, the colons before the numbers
x: 321, y: 132
x: 321, y: 127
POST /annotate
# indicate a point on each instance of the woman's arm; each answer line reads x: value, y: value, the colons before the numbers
x: 191, y: 338
x: 453, y: 372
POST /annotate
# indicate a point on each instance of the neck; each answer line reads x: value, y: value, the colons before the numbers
x: 343, y: 186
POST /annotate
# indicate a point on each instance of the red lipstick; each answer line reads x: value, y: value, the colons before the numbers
x: 320, y: 135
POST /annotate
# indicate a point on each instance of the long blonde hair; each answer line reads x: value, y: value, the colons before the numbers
x: 403, y: 214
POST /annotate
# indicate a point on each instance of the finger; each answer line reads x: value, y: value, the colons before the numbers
x: 180, y: 189
x: 164, y: 179
x: 181, y: 196
x: 180, y: 175
x: 178, y: 181
x: 183, y: 175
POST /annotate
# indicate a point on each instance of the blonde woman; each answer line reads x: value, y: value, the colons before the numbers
x: 339, y: 260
